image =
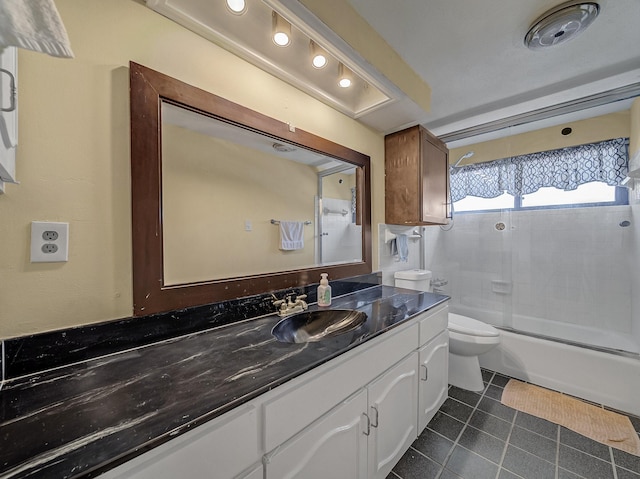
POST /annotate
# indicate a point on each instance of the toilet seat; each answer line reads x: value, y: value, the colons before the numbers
x: 465, y: 325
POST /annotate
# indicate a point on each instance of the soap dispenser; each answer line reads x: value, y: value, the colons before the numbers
x: 324, y: 291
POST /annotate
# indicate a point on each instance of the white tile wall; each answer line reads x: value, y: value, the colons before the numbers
x: 575, y: 267
x: 635, y: 263
x: 343, y: 239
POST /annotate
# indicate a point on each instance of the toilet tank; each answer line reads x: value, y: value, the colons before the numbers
x: 418, y: 279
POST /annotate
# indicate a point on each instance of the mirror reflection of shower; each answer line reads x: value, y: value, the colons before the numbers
x: 339, y: 235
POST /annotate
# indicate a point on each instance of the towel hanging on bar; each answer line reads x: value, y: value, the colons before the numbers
x: 291, y: 235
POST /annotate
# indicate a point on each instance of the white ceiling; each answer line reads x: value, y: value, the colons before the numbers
x: 472, y: 55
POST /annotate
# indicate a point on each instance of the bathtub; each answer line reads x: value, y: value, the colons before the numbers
x: 574, y: 333
x: 597, y: 372
x: 598, y: 376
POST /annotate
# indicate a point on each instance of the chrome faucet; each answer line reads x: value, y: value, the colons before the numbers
x: 286, y: 306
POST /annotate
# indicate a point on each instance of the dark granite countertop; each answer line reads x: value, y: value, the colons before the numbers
x: 82, y: 419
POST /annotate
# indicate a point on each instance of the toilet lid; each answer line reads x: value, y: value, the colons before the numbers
x: 466, y: 325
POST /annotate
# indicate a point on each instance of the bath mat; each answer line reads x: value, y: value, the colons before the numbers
x: 603, y: 426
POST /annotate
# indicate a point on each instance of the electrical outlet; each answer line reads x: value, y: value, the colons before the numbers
x: 50, y: 235
x: 49, y: 242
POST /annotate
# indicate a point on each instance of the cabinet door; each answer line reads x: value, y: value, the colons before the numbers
x: 334, y: 446
x: 435, y: 179
x: 393, y: 406
x: 221, y: 449
x: 256, y: 473
x: 434, y: 373
x: 416, y: 178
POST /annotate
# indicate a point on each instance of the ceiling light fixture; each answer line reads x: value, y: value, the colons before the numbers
x: 318, y: 55
x: 345, y: 76
x: 237, y: 7
x: 283, y: 148
x: 561, y: 24
x: 281, y: 30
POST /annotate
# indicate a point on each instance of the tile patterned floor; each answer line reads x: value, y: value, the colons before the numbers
x: 474, y: 436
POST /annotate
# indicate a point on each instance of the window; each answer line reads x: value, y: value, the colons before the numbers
x: 589, y: 194
x: 474, y: 203
x: 585, y: 175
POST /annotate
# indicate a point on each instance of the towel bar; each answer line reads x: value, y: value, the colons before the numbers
x: 277, y: 222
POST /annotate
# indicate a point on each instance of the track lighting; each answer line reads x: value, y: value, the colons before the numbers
x: 281, y: 30
x: 237, y: 7
x: 345, y: 76
x: 318, y: 55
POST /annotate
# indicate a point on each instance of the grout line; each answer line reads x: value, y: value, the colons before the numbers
x: 506, y: 444
x: 467, y: 424
x: 455, y: 442
x: 613, y: 463
x: 558, y: 452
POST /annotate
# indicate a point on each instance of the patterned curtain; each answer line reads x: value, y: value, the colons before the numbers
x: 565, y: 169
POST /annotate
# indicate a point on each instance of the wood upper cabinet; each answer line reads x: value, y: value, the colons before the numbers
x: 416, y: 178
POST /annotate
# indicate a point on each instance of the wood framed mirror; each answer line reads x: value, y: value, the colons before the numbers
x: 208, y: 197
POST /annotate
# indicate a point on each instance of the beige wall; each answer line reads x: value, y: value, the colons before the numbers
x: 606, y: 127
x: 333, y: 188
x: 343, y: 19
x: 73, y: 155
x: 211, y: 187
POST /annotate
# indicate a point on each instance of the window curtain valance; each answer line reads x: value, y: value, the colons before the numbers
x: 565, y: 169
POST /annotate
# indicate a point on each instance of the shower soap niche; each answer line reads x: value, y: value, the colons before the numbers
x: 501, y: 287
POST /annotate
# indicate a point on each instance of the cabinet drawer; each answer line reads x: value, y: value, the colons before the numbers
x: 221, y: 448
x: 315, y: 393
x: 433, y: 324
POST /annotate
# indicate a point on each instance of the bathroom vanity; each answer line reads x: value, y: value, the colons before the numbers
x: 234, y: 402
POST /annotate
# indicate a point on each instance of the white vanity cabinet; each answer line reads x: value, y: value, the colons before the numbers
x: 223, y: 448
x: 393, y: 406
x: 434, y: 365
x: 334, y: 446
x: 352, y: 417
x: 364, y: 437
x: 434, y: 381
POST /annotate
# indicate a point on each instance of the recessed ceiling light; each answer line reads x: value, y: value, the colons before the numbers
x: 561, y: 24
x: 237, y: 7
x: 345, y: 77
x: 281, y: 30
x: 318, y: 55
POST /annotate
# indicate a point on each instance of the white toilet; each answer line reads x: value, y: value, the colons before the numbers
x: 468, y: 337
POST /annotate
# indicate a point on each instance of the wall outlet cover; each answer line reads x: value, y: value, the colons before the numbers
x: 49, y: 242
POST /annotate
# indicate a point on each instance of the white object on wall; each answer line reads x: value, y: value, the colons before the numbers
x: 49, y: 242
x: 8, y: 115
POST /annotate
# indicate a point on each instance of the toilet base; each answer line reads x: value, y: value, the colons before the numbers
x: 464, y: 372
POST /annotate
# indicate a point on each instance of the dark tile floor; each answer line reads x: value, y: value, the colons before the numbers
x: 474, y: 436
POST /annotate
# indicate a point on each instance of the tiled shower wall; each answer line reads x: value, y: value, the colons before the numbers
x: 634, y: 200
x: 342, y: 238
x: 566, y: 267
